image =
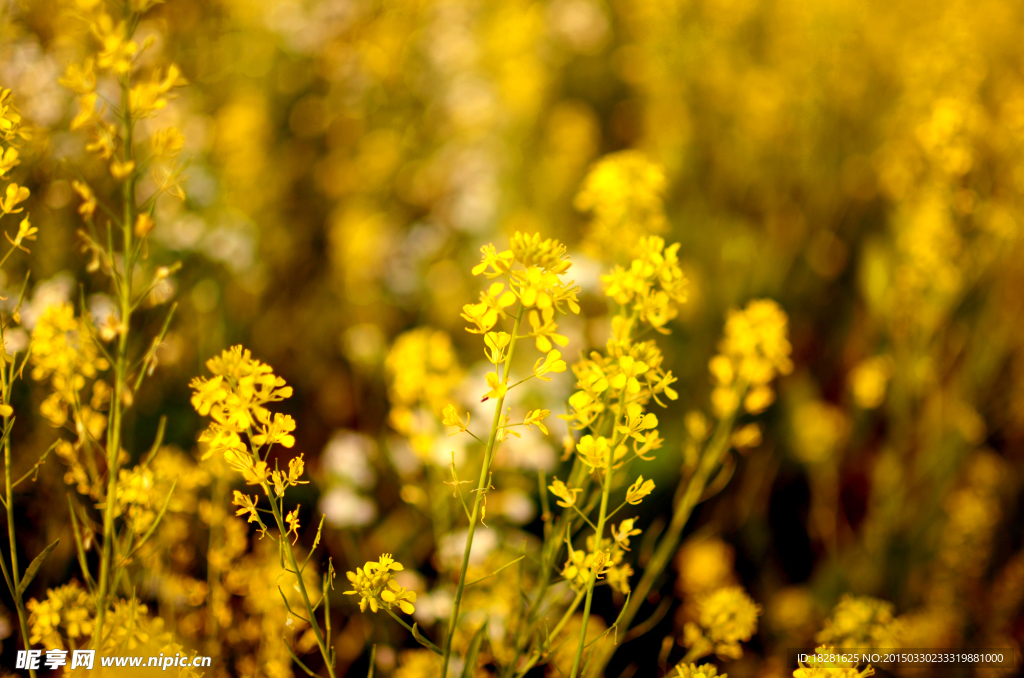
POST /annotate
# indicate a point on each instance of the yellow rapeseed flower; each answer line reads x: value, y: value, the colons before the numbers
x: 754, y: 349
x: 374, y: 584
x: 824, y: 664
x: 15, y: 195
x: 861, y: 622
x: 117, y: 50
x: 567, y: 497
x: 593, y: 451
x: 869, y: 379
x: 726, y: 617
x: 624, y: 192
x: 638, y: 490
x: 702, y: 671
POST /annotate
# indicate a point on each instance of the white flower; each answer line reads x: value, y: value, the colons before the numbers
x: 517, y: 507
x: 344, y: 508
x: 453, y: 547
x: 347, y: 455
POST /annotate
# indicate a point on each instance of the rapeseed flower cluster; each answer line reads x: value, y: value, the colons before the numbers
x: 423, y: 372
x: 65, y: 620
x: 604, y: 563
x: 376, y: 587
x: 243, y: 430
x: 726, y: 617
x: 703, y: 671
x: 613, y: 392
x: 630, y: 375
x: 117, y: 55
x: 528, y: 277
x: 623, y: 192
x: 861, y: 622
x: 826, y: 663
x: 235, y: 398
x: 753, y: 351
x: 66, y: 351
x: 65, y: 616
x: 343, y: 162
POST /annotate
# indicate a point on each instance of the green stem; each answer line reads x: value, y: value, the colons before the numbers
x: 301, y: 583
x: 213, y: 582
x: 15, y: 577
x: 554, y: 632
x: 124, y: 289
x: 599, y: 533
x: 551, y: 549
x: 480, y: 491
x: 669, y: 542
x: 606, y: 488
x: 419, y: 637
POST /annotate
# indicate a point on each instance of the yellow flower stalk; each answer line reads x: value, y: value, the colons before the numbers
x: 754, y: 350
x: 244, y: 431
x: 531, y: 270
x: 11, y: 131
x: 71, y: 351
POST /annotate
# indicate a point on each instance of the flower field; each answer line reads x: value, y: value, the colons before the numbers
x: 511, y: 338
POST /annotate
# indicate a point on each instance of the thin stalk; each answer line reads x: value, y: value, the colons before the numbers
x: 124, y: 290
x: 324, y: 652
x: 568, y: 613
x: 606, y: 488
x: 480, y: 490
x: 213, y: 573
x: 551, y: 550
x: 554, y: 632
x: 12, y: 582
x: 669, y: 542
x: 15, y: 574
x: 419, y: 637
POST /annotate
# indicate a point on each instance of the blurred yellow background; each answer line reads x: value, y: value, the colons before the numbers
x: 860, y: 162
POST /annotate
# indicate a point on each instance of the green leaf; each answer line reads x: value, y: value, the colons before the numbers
x: 33, y: 568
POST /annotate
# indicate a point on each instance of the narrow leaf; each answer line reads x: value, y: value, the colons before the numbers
x: 78, y: 545
x: 298, y: 661
x: 469, y: 669
x: 156, y: 522
x: 289, y: 607
x: 316, y: 542
x: 33, y: 568
x: 161, y: 428
x: 422, y: 640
